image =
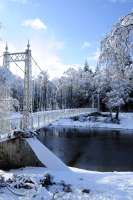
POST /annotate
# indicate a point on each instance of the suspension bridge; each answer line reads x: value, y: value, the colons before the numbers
x: 26, y: 120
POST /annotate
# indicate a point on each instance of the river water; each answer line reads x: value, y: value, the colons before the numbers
x: 99, y: 150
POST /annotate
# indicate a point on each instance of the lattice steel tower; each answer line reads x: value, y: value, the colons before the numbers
x: 27, y: 101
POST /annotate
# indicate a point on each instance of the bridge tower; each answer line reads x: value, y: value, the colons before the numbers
x: 27, y: 101
x: 5, y: 58
x: 27, y: 104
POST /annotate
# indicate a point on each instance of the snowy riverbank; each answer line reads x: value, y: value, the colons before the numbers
x: 126, y: 123
x: 85, y: 185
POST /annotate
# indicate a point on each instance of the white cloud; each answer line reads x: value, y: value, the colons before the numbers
x: 47, y: 54
x: 58, y: 45
x: 86, y: 44
x: 37, y: 24
x: 94, y: 56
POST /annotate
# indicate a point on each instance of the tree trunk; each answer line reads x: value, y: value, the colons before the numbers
x: 117, y: 113
x: 111, y: 114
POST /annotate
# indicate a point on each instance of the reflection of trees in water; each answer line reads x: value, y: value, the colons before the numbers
x: 91, y: 149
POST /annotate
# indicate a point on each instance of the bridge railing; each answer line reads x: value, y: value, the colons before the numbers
x: 41, y: 119
x: 44, y: 118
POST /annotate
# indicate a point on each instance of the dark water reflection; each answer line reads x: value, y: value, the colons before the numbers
x: 91, y: 149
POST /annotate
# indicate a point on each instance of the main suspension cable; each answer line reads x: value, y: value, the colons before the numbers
x: 37, y: 64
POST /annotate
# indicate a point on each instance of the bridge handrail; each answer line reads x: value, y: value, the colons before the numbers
x: 42, y: 118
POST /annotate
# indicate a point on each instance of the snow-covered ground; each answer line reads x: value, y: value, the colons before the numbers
x: 85, y: 185
x: 126, y: 123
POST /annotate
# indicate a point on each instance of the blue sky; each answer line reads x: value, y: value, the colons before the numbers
x: 62, y: 33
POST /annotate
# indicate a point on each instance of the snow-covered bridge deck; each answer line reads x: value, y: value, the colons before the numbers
x: 44, y: 118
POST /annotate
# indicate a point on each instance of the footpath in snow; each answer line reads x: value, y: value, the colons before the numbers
x: 126, y: 123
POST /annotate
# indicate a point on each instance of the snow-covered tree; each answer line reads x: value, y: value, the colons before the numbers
x: 116, y: 62
x: 118, y: 95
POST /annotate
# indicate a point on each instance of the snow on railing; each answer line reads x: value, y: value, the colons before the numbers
x: 42, y: 118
